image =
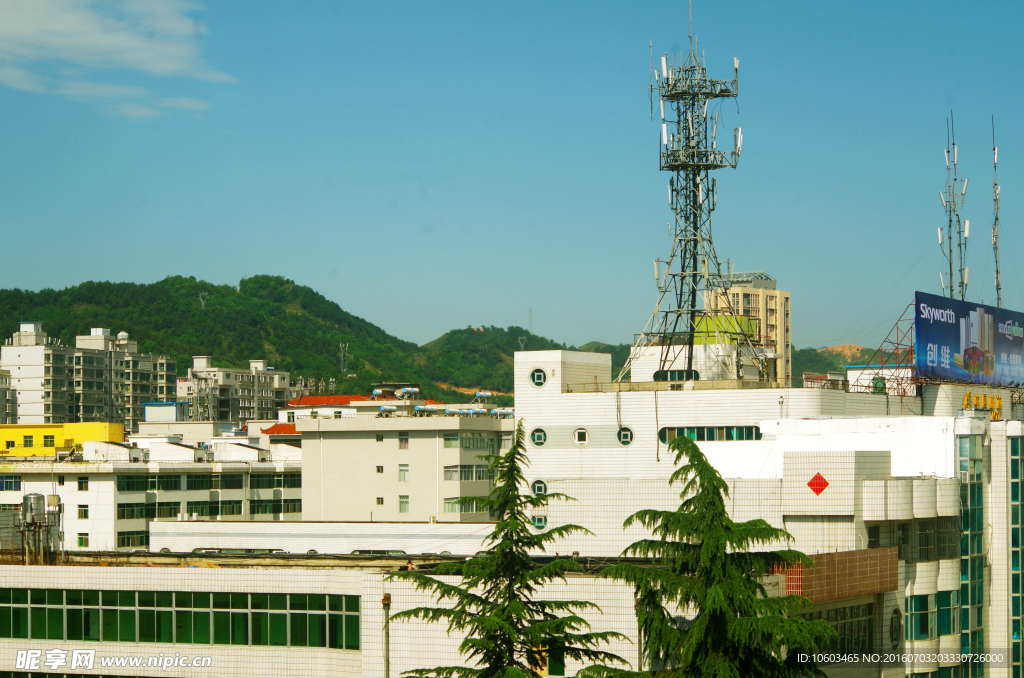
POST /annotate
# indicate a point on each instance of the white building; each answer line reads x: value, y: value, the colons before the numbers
x: 101, y: 378
x: 233, y: 395
x: 116, y: 491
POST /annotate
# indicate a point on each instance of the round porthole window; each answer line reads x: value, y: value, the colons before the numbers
x: 539, y: 487
x: 539, y: 377
x: 581, y: 436
x: 538, y: 437
x: 540, y: 522
x: 625, y: 435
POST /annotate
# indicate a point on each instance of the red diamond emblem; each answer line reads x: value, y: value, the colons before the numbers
x: 817, y: 483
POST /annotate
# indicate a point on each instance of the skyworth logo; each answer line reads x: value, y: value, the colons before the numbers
x: 1011, y: 329
x: 943, y: 315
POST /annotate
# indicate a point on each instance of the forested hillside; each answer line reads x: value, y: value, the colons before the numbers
x: 292, y: 326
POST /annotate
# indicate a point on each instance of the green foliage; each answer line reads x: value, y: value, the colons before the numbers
x: 485, y: 356
x: 508, y: 630
x: 815, y: 361
x: 292, y: 326
x: 702, y: 564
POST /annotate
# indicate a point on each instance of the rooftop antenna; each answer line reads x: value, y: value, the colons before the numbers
x: 957, y: 231
x: 691, y: 284
x: 995, y: 213
x: 343, y: 362
x: 203, y: 296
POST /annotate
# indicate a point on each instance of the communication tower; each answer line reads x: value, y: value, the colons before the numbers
x: 995, y: 213
x: 957, y: 231
x: 691, y: 277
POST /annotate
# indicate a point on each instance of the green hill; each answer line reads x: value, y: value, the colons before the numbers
x: 292, y: 326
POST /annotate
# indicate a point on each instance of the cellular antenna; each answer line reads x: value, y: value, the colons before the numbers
x: 995, y: 213
x: 693, y: 305
x: 956, y: 229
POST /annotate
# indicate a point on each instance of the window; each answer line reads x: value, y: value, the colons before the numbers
x: 48, y: 441
x: 291, y: 506
x: 197, y: 508
x: 380, y: 437
x: 9, y: 444
x: 272, y: 480
x: 380, y: 469
x: 83, y: 512
x: 83, y: 540
x: 60, y: 480
x: 921, y: 622
x: 874, y: 536
x: 83, y: 483
x: 232, y: 507
x: 197, y: 481
x: 538, y: 437
x: 133, y: 538
x: 10, y: 483
x: 538, y: 377
x: 539, y: 522
x: 625, y: 436
x: 227, y: 481
x: 165, y: 482
x: 167, y: 509
x: 265, y: 506
x: 291, y: 417
x: 460, y: 505
x: 380, y: 501
x: 403, y: 440
x: 539, y: 487
x: 403, y: 503
x: 27, y: 441
x: 132, y: 511
x: 403, y: 473
x: 676, y: 375
x: 451, y: 439
x: 580, y: 436
x: 132, y: 483
x: 710, y: 433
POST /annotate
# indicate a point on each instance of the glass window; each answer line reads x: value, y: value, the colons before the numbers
x: 403, y: 503
x: 581, y: 436
x: 540, y: 522
x: 625, y: 436
x: 539, y: 487
x: 403, y: 473
x: 451, y: 439
x: 538, y: 437
x: 538, y: 377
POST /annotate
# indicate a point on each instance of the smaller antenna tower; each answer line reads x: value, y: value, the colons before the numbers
x: 957, y: 231
x: 344, y: 359
x: 203, y: 296
x: 530, y: 322
x: 995, y: 213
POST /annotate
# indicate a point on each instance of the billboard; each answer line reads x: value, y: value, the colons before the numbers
x: 964, y: 341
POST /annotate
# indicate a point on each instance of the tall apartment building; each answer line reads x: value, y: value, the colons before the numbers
x: 753, y: 294
x: 101, y: 378
x: 231, y: 394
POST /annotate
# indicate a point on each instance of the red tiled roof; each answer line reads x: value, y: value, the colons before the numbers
x: 308, y: 400
x: 281, y: 429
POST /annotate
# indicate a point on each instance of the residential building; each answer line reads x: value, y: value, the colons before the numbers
x: 233, y: 395
x: 115, y: 491
x: 753, y: 294
x: 101, y: 379
x: 400, y: 467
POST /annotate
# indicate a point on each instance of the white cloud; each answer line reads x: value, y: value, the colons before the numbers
x: 41, y: 39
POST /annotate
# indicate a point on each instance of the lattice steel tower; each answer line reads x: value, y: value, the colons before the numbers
x: 691, y: 276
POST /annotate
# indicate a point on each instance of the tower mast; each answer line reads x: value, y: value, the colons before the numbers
x: 957, y: 231
x: 995, y: 213
x: 690, y: 281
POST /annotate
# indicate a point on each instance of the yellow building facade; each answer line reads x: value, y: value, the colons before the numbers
x: 46, y: 440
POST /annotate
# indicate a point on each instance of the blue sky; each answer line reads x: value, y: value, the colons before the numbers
x: 439, y: 165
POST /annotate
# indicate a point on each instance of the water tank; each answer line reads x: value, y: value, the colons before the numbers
x: 122, y: 336
x: 33, y: 508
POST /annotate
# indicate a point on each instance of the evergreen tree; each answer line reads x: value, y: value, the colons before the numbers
x: 702, y: 565
x: 510, y: 632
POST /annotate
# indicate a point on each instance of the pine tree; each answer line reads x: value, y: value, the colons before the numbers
x: 702, y: 565
x: 510, y: 632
